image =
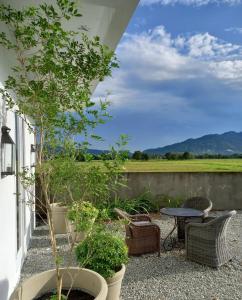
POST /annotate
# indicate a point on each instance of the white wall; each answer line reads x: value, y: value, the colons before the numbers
x: 105, y: 18
x: 11, y: 259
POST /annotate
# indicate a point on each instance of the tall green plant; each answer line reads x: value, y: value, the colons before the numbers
x: 52, y: 84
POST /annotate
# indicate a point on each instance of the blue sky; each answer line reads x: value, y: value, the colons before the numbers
x: 180, y: 73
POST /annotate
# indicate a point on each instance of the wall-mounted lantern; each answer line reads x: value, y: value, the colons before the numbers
x: 7, y: 151
x: 33, y: 155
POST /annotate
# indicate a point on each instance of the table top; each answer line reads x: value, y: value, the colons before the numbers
x: 182, y: 212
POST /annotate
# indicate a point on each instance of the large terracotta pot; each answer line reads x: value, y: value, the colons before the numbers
x: 114, y: 284
x: 59, y: 217
x: 84, y: 279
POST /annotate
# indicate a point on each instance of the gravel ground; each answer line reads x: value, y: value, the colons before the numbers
x: 169, y: 277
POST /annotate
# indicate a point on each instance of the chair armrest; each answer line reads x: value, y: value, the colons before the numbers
x: 194, y: 220
x: 140, y: 217
x: 206, y: 222
x: 208, y: 219
x: 195, y: 225
x: 144, y: 229
x: 202, y: 230
x: 207, y: 210
x: 142, y: 223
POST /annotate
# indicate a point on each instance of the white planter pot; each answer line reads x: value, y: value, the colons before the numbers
x: 114, y: 284
x: 75, y: 235
x: 84, y: 279
x: 59, y: 217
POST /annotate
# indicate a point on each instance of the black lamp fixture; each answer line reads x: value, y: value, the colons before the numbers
x: 7, y: 153
x: 33, y: 155
x: 33, y: 148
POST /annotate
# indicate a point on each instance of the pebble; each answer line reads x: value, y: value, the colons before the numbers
x: 148, y: 277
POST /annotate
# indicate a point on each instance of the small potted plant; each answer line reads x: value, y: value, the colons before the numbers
x: 107, y: 255
x: 80, y: 219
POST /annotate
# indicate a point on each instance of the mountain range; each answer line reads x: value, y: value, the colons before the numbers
x: 227, y: 143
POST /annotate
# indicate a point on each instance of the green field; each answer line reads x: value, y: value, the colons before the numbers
x: 194, y: 165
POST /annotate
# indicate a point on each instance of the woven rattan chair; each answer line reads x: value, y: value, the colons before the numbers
x: 142, y: 236
x: 206, y: 242
x: 200, y: 203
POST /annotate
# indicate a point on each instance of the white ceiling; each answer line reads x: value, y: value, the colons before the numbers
x: 106, y: 18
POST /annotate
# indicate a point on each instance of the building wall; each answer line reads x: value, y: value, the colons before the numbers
x: 12, y: 257
x: 223, y: 189
x: 105, y: 18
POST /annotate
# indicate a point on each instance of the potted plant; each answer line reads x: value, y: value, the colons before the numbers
x: 80, y: 219
x: 106, y: 254
x: 64, y: 175
x: 51, y: 83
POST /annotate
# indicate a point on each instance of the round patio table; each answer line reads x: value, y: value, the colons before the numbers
x: 180, y: 215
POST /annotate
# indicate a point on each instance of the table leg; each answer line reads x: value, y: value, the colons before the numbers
x: 181, y: 223
x: 169, y: 243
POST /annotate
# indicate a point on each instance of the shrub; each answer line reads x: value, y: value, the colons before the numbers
x: 82, y: 215
x: 103, y: 253
x: 141, y: 204
x: 138, y: 155
x: 145, y: 156
x: 169, y: 201
x: 187, y: 155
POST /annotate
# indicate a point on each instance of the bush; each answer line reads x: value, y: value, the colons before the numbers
x: 103, y: 253
x: 187, y: 155
x: 169, y: 201
x: 145, y: 156
x: 172, y: 156
x: 138, y: 155
x: 178, y: 156
x: 141, y: 204
x: 82, y: 215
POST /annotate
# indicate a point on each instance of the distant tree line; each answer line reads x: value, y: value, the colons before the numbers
x: 219, y: 156
x: 86, y: 156
x: 143, y: 156
x: 139, y: 155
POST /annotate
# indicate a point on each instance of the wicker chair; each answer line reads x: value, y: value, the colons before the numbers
x: 199, y: 203
x: 142, y: 236
x: 206, y: 242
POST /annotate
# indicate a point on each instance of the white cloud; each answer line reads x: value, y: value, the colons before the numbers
x: 234, y: 30
x: 190, y: 2
x: 228, y: 70
x: 207, y: 46
x: 173, y: 87
x: 151, y: 59
x: 165, y: 58
x: 154, y: 50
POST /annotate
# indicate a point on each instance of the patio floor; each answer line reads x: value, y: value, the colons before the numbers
x: 169, y: 277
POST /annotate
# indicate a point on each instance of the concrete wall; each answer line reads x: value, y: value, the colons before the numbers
x: 223, y: 189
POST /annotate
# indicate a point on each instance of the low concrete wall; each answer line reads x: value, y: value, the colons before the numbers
x: 223, y: 189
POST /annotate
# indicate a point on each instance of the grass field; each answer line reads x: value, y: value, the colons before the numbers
x: 194, y: 165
